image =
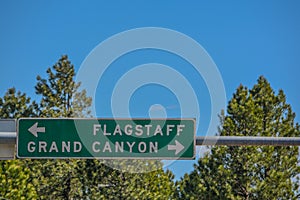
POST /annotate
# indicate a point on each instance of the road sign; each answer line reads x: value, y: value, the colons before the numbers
x: 106, y: 138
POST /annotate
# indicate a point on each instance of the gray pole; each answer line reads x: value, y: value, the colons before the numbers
x: 8, y: 138
x: 247, y: 141
x: 8, y: 142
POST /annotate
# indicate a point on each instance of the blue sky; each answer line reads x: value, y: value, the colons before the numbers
x: 244, y: 39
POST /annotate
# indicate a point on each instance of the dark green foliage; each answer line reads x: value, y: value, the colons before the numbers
x: 16, y: 104
x: 60, y: 95
x: 15, y: 182
x: 70, y: 178
x: 109, y: 183
x: 264, y: 172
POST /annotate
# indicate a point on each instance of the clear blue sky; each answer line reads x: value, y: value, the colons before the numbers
x: 245, y: 40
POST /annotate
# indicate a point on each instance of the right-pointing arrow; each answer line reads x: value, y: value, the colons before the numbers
x: 34, y: 129
x: 177, y: 147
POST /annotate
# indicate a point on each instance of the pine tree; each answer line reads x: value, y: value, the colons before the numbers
x: 15, y: 182
x: 71, y: 178
x: 60, y: 94
x: 91, y: 179
x: 60, y: 97
x: 16, y: 104
x: 108, y: 183
x: 248, y: 172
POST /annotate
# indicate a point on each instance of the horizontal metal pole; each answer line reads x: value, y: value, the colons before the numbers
x: 247, y: 141
x: 8, y: 137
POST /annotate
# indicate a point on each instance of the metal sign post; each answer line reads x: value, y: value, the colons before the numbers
x: 7, y: 139
x: 248, y: 141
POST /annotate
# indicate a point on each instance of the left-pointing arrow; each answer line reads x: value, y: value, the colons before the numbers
x: 34, y: 129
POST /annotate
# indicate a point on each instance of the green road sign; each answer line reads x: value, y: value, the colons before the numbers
x: 106, y: 138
